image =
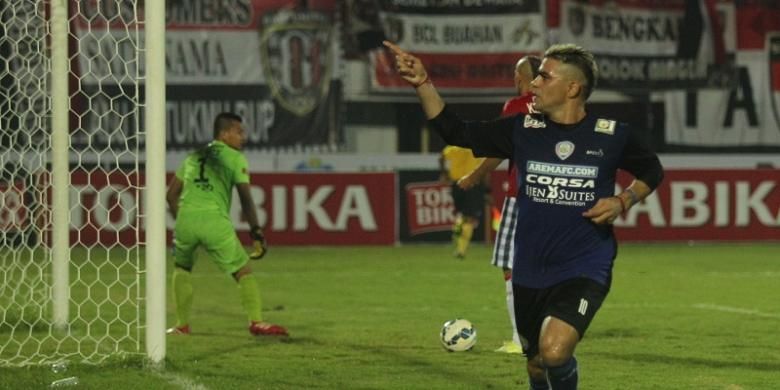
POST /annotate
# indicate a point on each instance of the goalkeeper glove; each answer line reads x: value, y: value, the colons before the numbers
x: 260, y: 246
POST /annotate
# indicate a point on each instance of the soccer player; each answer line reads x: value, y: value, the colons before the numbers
x: 566, y: 159
x: 526, y: 70
x: 456, y: 163
x: 199, y: 199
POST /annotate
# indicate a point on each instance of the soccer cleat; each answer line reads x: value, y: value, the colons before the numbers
x: 184, y: 329
x: 458, y: 255
x: 266, y: 329
x: 510, y: 347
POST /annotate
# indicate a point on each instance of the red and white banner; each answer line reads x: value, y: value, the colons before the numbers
x: 708, y: 205
x: 273, y: 62
x: 105, y: 208
x: 430, y: 207
x: 307, y: 209
x: 468, y: 46
x: 361, y: 208
x: 653, y: 45
x: 324, y: 208
x: 14, y: 211
x: 748, y: 115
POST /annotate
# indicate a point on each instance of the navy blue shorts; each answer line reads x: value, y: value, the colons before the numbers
x: 574, y: 301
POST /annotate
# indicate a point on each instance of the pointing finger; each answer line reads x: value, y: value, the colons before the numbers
x: 393, y: 47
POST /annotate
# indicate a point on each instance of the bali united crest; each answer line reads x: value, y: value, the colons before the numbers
x: 773, y: 45
x: 295, y: 51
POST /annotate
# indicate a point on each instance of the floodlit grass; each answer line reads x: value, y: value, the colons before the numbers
x: 678, y: 317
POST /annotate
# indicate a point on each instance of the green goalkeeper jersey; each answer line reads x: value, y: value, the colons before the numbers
x: 209, y: 175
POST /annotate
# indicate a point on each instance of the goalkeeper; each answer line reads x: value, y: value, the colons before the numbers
x: 199, y: 199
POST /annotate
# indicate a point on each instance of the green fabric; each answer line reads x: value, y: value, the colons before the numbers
x: 215, y: 233
x: 182, y: 295
x: 250, y: 297
x: 208, y: 176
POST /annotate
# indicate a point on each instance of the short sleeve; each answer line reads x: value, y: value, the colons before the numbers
x: 180, y: 171
x: 241, y: 171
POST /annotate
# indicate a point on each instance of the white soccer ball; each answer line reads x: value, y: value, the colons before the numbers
x: 458, y: 335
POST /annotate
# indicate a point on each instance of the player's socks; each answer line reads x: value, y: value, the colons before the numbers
x: 510, y: 306
x: 182, y: 295
x: 465, y: 237
x: 457, y: 229
x: 538, y: 385
x: 250, y: 297
x: 563, y: 377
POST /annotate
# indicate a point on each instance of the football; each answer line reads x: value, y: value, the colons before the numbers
x: 458, y: 335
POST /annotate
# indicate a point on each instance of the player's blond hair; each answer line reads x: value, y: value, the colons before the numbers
x: 576, y: 56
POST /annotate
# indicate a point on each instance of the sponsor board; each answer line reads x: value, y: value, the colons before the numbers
x: 426, y: 211
x: 773, y: 48
x: 708, y: 205
x: 266, y: 60
x: 15, y: 210
x: 429, y: 207
x: 367, y: 208
x: 654, y: 46
x: 463, y: 50
x: 325, y: 208
x: 295, y: 209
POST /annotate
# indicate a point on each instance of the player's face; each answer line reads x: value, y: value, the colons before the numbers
x: 523, y: 76
x: 551, y: 87
x: 235, y: 136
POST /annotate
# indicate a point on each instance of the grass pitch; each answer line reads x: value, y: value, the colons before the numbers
x: 678, y: 317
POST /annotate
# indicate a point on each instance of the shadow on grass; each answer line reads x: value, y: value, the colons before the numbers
x: 692, y: 362
x: 463, y: 378
x: 406, y: 358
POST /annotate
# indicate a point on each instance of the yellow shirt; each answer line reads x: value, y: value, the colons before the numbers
x: 460, y: 161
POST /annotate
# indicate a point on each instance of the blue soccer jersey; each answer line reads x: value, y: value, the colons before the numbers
x: 563, y: 170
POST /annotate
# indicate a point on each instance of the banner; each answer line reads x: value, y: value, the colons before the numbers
x: 748, y: 115
x: 14, y: 215
x: 294, y: 209
x: 426, y: 210
x: 707, y: 205
x: 272, y: 62
x: 653, y: 45
x: 369, y: 209
x: 466, y: 46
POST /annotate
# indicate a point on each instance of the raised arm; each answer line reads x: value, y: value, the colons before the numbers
x: 485, y: 138
x: 411, y: 69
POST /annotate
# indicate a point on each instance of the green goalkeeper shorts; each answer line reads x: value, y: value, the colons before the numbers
x: 212, y: 231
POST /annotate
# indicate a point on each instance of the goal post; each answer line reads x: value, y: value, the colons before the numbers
x: 155, y: 181
x: 82, y: 180
x: 60, y: 178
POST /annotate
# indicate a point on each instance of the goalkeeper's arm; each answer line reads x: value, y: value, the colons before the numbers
x: 172, y: 196
x: 250, y: 214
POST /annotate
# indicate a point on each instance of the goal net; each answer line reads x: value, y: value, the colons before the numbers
x: 83, y: 300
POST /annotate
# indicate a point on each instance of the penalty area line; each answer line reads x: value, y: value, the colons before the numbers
x: 181, y: 381
x: 737, y: 310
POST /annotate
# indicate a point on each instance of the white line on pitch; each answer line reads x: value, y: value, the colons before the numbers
x: 181, y: 381
x: 738, y: 310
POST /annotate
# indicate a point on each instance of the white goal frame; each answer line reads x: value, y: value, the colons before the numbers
x: 151, y: 218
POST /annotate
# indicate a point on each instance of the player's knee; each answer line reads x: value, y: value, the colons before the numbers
x: 553, y: 355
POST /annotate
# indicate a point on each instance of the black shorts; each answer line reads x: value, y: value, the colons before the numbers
x: 471, y: 202
x: 574, y: 301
